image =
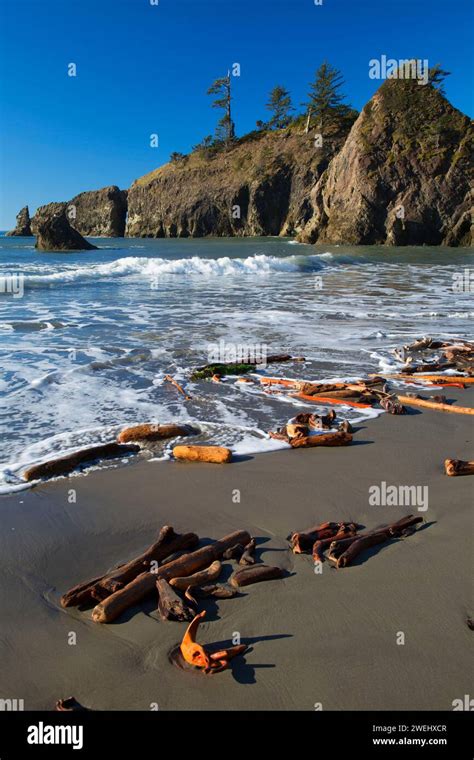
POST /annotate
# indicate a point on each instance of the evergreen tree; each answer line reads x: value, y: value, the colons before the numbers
x: 225, y: 130
x: 279, y: 103
x: 325, y: 102
x: 436, y: 77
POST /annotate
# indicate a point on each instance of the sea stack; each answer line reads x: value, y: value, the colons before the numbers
x: 54, y: 233
x: 23, y: 224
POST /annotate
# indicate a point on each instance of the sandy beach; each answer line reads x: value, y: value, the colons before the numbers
x: 325, y: 639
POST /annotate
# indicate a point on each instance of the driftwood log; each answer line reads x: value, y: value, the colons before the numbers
x: 320, y: 545
x: 235, y: 552
x: 410, y: 401
x: 353, y: 545
x: 65, y: 465
x: 302, y: 541
x: 170, y: 605
x: 203, y: 577
x: 458, y: 467
x: 149, y: 432
x: 213, y: 454
x: 248, y: 557
x: 99, y: 588
x: 323, y: 439
x: 110, y: 609
x: 255, y: 574
x: 217, y: 590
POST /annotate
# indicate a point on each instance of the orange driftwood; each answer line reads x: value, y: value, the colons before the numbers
x: 327, y: 400
x: 174, y: 382
x: 213, y: 454
x: 198, y: 656
x: 432, y: 378
x: 410, y: 401
x: 144, y: 584
x: 458, y: 467
x: 324, y: 439
x: 149, y: 432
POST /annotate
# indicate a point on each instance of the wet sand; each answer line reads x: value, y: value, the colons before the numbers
x: 327, y: 638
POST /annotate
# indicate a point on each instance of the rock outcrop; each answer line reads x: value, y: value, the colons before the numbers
x: 402, y: 177
x: 53, y: 231
x: 260, y: 186
x: 23, y: 224
x: 99, y: 213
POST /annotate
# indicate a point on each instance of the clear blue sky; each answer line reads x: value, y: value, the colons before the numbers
x: 145, y: 69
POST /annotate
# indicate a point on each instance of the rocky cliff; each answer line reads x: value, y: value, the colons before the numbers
x: 95, y: 213
x: 402, y: 177
x: 100, y: 213
x: 260, y: 186
x: 23, y: 226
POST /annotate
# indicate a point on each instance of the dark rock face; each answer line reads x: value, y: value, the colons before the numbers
x: 99, y: 213
x: 23, y: 225
x: 259, y: 186
x: 402, y: 177
x: 53, y: 231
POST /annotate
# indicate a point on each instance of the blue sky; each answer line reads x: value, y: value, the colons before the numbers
x: 144, y: 69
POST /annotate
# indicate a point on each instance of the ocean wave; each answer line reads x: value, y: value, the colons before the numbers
x: 153, y: 268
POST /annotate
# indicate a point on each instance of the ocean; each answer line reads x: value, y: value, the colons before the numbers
x: 86, y: 338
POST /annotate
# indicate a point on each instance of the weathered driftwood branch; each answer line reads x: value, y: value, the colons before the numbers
x: 255, y: 574
x: 143, y: 585
x: 324, y: 439
x: 213, y: 454
x: 217, y: 590
x: 202, y: 657
x: 302, y: 541
x: 208, y: 575
x: 320, y: 545
x: 70, y: 704
x: 410, y: 401
x: 97, y: 589
x: 170, y: 605
x: 235, y: 552
x: 248, y: 557
x: 330, y: 400
x: 392, y: 405
x: 174, y: 382
x: 149, y: 432
x: 354, y: 545
x: 65, y: 465
x: 458, y: 467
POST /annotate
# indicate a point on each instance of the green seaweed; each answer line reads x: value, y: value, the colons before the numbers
x: 203, y: 373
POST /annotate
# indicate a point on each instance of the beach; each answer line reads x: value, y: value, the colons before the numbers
x: 317, y: 640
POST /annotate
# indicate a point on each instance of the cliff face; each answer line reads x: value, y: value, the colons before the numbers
x: 260, y: 186
x: 23, y: 226
x: 95, y: 213
x: 100, y: 213
x: 402, y: 177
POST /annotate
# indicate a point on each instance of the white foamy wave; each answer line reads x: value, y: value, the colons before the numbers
x: 151, y: 268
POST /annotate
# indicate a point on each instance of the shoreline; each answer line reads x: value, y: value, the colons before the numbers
x: 328, y: 638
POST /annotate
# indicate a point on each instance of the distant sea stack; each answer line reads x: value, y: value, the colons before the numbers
x: 96, y: 213
x: 402, y: 177
x: 54, y: 233
x: 23, y: 224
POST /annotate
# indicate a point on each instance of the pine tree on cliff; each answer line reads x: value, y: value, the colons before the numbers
x: 225, y: 131
x: 325, y: 100
x: 279, y: 103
